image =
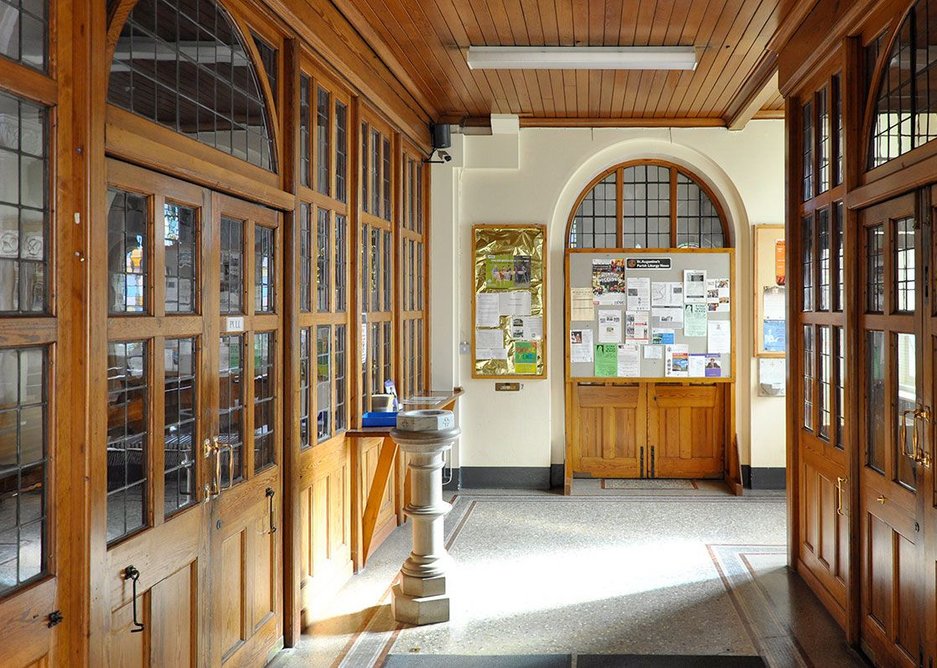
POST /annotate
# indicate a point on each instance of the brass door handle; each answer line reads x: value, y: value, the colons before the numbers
x: 881, y: 499
x: 903, y: 433
x: 213, y: 486
x: 230, y: 448
x: 840, y: 481
x: 921, y: 455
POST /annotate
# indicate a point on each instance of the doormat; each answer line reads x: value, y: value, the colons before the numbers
x: 566, y: 661
x: 654, y: 483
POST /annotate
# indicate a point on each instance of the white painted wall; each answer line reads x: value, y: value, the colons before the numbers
x: 535, y: 177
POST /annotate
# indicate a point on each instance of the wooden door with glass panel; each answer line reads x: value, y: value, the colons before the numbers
x: 192, y: 415
x: 246, y: 612
x: 891, y: 342
x: 158, y: 411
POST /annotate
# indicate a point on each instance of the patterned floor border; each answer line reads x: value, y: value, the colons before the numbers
x: 774, y: 640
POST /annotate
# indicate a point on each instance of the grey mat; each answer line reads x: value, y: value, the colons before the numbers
x: 565, y: 661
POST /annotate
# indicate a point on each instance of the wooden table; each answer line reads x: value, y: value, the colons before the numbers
x: 367, y: 535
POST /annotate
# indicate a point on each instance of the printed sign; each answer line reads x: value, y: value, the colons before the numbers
x: 648, y: 263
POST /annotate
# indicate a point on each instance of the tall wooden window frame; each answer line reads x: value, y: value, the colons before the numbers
x: 43, y: 329
x: 374, y: 135
x: 818, y: 249
x: 311, y: 315
x: 675, y: 171
x: 412, y: 279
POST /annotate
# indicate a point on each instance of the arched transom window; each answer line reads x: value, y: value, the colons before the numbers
x: 184, y: 64
x: 904, y: 111
x: 647, y: 204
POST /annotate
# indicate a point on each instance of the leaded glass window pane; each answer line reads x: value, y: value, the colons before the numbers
x: 231, y: 409
x: 595, y: 223
x: 127, y: 252
x: 264, y: 400
x: 127, y: 438
x: 179, y: 424
x: 646, y: 207
x: 232, y: 265
x: 24, y: 30
x: 23, y: 466
x: 323, y: 140
x: 264, y: 269
x: 323, y: 260
x: 179, y: 236
x: 24, y: 209
x: 698, y: 222
x: 304, y: 385
x: 323, y: 382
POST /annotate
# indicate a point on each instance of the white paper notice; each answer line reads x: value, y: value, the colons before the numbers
x: 771, y: 371
x: 719, y: 338
x: 531, y: 327
x: 666, y: 293
x: 717, y: 295
x: 609, y: 326
x: 489, y: 338
x: 516, y: 302
x: 774, y: 304
x: 639, y: 294
x: 676, y: 361
x: 491, y: 353
x: 580, y: 345
x: 487, y: 309
x: 629, y: 361
x: 653, y: 352
x: 580, y: 301
x: 694, y: 286
x: 697, y: 365
x: 636, y: 327
x: 672, y: 316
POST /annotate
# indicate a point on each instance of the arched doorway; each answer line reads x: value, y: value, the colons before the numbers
x: 637, y: 421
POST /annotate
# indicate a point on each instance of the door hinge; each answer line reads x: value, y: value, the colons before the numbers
x: 55, y: 618
x: 653, y: 467
x: 641, y: 459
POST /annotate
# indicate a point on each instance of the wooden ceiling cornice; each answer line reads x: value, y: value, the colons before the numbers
x: 423, y: 43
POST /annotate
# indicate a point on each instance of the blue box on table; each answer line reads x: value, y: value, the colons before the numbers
x: 375, y: 419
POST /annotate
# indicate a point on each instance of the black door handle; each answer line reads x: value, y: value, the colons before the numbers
x: 132, y: 574
x: 269, y: 494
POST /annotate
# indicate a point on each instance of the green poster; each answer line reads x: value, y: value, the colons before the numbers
x: 694, y: 320
x: 499, y: 272
x: 606, y: 360
x: 525, y: 357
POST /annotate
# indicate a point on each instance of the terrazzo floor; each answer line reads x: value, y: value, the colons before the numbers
x: 625, y: 571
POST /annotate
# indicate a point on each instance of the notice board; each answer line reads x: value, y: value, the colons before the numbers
x: 651, y: 315
x: 509, y: 301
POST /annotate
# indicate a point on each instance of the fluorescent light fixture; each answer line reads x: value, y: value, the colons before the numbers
x: 582, y: 57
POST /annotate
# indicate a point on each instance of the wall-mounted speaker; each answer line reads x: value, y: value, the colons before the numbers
x: 441, y: 135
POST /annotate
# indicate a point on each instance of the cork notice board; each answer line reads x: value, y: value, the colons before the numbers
x: 509, y: 301
x: 649, y: 331
x: 770, y: 291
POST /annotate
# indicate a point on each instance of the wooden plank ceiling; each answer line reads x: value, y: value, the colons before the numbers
x: 424, y: 43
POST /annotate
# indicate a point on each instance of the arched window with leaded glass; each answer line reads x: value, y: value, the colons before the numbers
x: 647, y: 204
x: 902, y: 114
x: 188, y: 66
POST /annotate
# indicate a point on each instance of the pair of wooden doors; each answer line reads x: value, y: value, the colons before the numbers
x: 194, y: 425
x: 648, y: 430
x: 897, y: 343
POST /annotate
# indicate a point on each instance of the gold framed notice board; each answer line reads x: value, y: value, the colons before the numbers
x: 509, y: 301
